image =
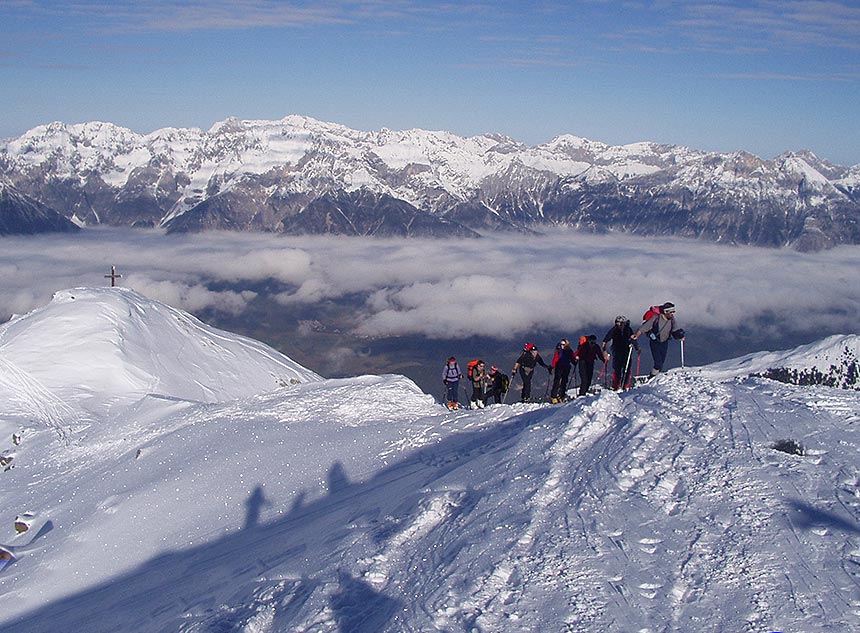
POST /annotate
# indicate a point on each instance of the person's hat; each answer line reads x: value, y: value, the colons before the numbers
x: 452, y: 360
x: 666, y: 307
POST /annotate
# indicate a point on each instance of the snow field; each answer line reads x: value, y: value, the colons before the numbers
x: 362, y: 505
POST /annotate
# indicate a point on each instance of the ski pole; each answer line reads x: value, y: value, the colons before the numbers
x: 631, y: 379
x: 510, y: 384
x: 682, y: 353
x: 626, y: 371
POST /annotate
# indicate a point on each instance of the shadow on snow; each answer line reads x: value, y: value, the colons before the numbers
x: 220, y: 585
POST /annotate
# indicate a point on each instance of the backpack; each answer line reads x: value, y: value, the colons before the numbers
x: 653, y: 310
x: 506, y: 382
x: 471, y: 366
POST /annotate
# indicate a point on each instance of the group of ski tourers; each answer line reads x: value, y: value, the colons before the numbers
x: 658, y: 323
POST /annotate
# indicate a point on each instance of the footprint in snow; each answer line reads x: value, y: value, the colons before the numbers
x: 649, y: 545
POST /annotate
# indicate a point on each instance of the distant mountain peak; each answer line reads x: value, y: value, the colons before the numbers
x: 259, y: 175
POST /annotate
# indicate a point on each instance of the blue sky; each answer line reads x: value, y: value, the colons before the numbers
x: 757, y: 75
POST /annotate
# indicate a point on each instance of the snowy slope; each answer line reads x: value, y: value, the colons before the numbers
x: 111, y: 346
x: 361, y: 505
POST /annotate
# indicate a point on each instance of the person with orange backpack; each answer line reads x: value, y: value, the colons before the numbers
x: 477, y: 373
x: 659, y: 323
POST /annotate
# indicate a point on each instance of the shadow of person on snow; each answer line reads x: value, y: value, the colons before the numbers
x: 254, y: 506
x: 358, y: 608
x: 807, y: 517
x: 283, y: 563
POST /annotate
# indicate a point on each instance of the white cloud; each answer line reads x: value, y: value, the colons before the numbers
x: 501, y: 286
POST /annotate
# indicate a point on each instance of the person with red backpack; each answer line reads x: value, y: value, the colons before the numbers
x: 659, y: 323
x: 526, y: 363
x: 587, y: 352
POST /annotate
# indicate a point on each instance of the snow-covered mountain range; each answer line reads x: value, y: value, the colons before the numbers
x: 161, y: 475
x: 300, y: 175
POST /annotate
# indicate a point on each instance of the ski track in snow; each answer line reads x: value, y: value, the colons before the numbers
x: 30, y: 398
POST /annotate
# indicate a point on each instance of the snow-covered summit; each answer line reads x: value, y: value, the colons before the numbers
x: 100, y: 347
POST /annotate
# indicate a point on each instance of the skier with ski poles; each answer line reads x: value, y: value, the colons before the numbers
x: 619, y: 335
x: 660, y: 326
x: 562, y: 362
x: 526, y: 363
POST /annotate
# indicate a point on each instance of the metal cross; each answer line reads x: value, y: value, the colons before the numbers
x: 113, y: 276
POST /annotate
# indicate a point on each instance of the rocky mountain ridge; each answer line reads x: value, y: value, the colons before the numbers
x: 21, y: 215
x: 300, y: 175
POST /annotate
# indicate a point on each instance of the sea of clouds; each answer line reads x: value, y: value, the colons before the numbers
x: 499, y: 286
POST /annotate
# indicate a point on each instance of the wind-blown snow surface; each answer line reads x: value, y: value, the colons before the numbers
x: 361, y: 505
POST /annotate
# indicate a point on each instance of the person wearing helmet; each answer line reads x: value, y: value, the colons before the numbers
x: 622, y: 348
x: 562, y: 362
x: 526, y: 363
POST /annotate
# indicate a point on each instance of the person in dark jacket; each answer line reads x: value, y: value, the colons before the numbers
x: 587, y: 352
x: 562, y: 362
x: 451, y: 375
x: 499, y: 384
x: 526, y: 363
x: 660, y: 328
x: 620, y: 336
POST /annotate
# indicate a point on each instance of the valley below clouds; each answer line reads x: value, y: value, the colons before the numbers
x: 329, y: 301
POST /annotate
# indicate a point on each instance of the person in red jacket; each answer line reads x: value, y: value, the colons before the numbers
x: 587, y: 352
